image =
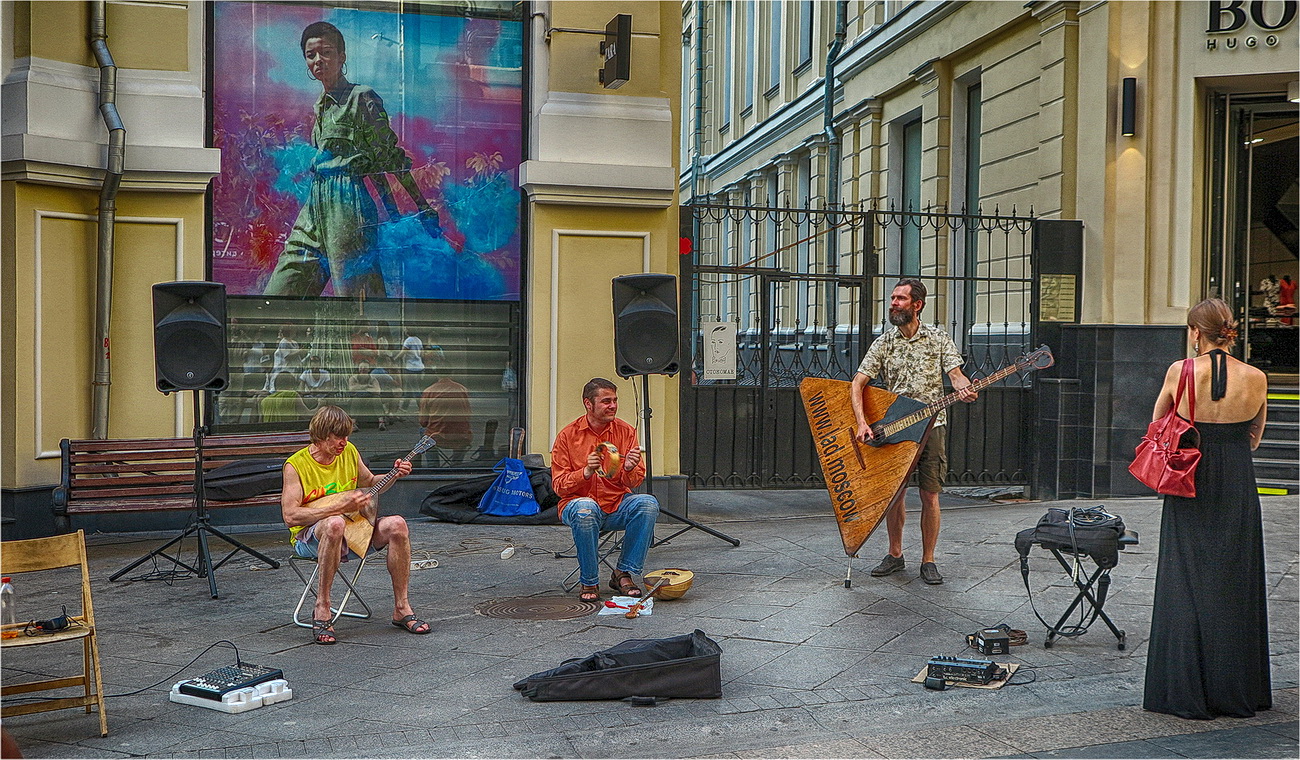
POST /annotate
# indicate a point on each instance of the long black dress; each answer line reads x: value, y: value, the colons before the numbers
x: 1208, y: 653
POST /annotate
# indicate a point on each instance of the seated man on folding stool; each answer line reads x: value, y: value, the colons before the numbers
x: 592, y: 501
x: 323, y: 482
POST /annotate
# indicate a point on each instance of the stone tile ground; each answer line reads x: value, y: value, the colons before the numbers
x: 810, y: 668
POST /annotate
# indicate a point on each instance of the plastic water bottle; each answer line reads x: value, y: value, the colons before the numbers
x: 8, y: 615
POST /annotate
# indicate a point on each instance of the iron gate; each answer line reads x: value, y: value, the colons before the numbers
x: 799, y: 285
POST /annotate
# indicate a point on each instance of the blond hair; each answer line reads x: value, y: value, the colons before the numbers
x: 329, y: 421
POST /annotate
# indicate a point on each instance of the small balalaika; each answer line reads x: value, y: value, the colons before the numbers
x: 865, y: 478
x: 358, y: 530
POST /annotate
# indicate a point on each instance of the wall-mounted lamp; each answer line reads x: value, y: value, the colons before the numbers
x: 1293, y: 92
x: 1128, y: 107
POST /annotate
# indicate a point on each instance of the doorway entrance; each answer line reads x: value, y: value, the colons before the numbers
x: 1253, y: 227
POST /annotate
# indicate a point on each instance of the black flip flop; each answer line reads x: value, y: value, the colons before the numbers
x: 322, y: 632
x: 410, y: 623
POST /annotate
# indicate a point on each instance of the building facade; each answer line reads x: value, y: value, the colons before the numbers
x: 1162, y: 135
x: 429, y: 245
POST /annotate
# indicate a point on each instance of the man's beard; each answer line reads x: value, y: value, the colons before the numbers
x: 901, y: 317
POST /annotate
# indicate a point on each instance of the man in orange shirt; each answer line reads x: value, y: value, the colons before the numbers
x: 591, y: 501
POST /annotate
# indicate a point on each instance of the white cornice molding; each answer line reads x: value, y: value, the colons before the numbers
x: 603, y: 150
x: 549, y: 182
x: 52, y: 131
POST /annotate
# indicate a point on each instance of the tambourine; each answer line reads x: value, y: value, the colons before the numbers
x: 610, y: 461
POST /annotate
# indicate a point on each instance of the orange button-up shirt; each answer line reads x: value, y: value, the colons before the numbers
x: 569, y: 459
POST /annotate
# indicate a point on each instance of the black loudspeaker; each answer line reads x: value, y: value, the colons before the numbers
x: 645, y: 325
x: 189, y: 336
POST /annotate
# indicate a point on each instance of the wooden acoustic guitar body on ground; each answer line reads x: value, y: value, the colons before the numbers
x: 863, y: 479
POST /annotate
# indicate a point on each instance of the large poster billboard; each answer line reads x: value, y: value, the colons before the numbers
x: 369, y: 151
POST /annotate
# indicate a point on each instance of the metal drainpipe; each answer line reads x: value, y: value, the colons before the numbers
x: 833, y: 145
x: 697, y: 160
x: 107, y: 215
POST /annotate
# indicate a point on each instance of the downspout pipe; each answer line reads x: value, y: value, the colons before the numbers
x: 107, y: 214
x: 697, y: 141
x: 834, y: 147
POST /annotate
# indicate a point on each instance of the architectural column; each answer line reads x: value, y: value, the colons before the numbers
x: 935, y: 78
x: 1058, y: 81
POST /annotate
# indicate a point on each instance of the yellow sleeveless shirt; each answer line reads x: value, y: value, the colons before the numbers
x: 319, y: 480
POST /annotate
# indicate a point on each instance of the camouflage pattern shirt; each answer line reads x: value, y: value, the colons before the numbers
x: 915, y: 366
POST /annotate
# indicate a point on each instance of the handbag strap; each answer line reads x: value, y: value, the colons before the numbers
x: 1187, y: 380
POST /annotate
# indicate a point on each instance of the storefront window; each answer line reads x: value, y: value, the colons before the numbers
x: 366, y: 221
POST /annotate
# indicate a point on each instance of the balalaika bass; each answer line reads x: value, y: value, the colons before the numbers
x: 865, y: 478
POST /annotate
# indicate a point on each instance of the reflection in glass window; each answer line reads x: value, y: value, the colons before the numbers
x: 366, y: 220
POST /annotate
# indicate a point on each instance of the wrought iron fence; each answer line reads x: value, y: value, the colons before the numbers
x: 807, y: 291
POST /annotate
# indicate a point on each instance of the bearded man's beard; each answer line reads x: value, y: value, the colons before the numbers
x: 901, y: 317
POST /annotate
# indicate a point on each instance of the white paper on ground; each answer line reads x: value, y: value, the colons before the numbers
x: 624, y: 603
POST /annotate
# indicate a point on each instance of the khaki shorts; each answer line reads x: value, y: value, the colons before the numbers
x: 933, y: 465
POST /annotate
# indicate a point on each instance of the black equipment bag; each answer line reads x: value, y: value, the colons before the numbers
x: 1091, y: 531
x: 457, y: 502
x: 687, y: 666
x: 243, y: 479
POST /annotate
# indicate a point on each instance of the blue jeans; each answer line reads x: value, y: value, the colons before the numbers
x: 635, y: 516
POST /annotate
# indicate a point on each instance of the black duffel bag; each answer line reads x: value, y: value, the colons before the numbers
x: 687, y: 666
x: 457, y: 502
x: 243, y: 479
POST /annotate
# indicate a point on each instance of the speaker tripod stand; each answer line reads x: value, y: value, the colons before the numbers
x: 647, y: 413
x: 200, y: 526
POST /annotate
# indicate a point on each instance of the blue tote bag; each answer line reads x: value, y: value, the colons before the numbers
x: 511, y: 494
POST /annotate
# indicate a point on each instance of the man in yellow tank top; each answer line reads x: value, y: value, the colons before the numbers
x: 325, y: 481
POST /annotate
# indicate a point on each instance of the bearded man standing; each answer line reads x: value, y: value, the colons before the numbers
x: 911, y: 360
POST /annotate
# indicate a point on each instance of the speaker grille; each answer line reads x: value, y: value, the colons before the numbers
x: 190, y: 355
x: 645, y: 324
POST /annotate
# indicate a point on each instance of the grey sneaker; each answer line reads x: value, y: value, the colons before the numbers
x: 930, y: 574
x: 890, y: 564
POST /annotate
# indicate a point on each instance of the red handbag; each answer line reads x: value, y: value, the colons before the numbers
x: 1166, y: 459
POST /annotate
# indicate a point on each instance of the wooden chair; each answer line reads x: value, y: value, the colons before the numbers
x: 39, y: 554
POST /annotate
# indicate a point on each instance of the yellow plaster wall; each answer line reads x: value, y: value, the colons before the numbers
x: 576, y: 59
x: 50, y: 293
x: 140, y: 35
x: 578, y: 250
x: 581, y: 250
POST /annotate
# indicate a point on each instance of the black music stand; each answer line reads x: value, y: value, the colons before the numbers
x: 647, y: 413
x: 200, y: 526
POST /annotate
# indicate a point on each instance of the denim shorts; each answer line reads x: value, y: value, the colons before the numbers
x: 308, y: 545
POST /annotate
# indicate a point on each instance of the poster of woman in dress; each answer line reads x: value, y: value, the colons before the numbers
x: 367, y: 153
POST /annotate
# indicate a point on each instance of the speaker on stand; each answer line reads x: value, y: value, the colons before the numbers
x: 189, y: 339
x: 646, y: 343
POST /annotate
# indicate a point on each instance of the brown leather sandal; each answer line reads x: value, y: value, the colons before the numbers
x: 622, y: 582
x: 590, y: 594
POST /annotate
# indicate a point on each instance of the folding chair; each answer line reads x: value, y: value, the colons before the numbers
x: 35, y: 555
x: 607, y: 546
x: 309, y: 589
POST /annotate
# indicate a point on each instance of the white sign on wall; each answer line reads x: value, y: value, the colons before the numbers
x: 719, y: 350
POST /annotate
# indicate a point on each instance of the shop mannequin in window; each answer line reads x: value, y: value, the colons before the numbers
x: 1286, y: 299
x: 1271, y: 290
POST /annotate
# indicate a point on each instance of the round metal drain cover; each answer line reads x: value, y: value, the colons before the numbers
x: 536, y: 608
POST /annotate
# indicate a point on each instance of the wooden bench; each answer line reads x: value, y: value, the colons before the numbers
x: 155, y: 474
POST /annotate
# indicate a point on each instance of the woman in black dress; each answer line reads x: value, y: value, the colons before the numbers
x: 1208, y: 653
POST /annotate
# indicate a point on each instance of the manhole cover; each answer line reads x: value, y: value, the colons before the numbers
x: 536, y: 608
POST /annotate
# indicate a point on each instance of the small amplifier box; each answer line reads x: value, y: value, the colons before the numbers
x: 992, y: 641
x: 963, y: 670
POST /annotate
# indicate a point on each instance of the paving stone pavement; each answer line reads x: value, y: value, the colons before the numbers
x: 810, y: 668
